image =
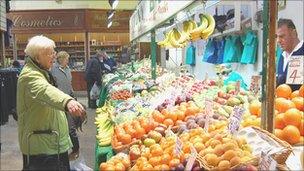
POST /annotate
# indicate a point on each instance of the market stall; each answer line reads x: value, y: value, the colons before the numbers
x: 151, y: 118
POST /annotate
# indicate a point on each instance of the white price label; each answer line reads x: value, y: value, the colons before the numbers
x: 235, y: 119
x: 267, y: 162
x: 255, y: 84
x: 191, y: 159
x: 295, y: 74
x: 178, y: 147
x: 208, y: 113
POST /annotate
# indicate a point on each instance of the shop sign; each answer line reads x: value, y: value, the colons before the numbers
x: 295, y: 70
x: 142, y: 21
x: 37, y: 21
x: 97, y: 20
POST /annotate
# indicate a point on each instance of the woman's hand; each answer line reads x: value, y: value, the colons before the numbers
x: 75, y: 108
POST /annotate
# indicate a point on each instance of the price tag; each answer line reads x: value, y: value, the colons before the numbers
x: 235, y: 120
x: 237, y: 87
x: 169, y: 132
x: 191, y: 159
x: 295, y: 74
x: 178, y: 147
x: 255, y: 84
x: 208, y: 113
x: 205, y: 81
x: 267, y: 162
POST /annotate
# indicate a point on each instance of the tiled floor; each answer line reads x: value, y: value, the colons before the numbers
x: 11, y: 158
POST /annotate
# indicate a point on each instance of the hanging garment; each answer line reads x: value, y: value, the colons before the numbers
x: 233, y: 49
x: 210, y: 54
x: 190, y: 55
x: 250, y: 43
x: 220, y: 44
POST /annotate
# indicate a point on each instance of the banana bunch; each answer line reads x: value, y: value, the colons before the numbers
x: 205, y: 29
x: 188, y: 26
x: 104, y: 124
x: 171, y: 40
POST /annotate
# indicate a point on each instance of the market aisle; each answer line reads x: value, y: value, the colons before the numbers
x: 10, y: 154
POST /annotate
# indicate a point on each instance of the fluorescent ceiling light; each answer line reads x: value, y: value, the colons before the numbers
x: 113, y: 3
x: 110, y: 24
x: 110, y: 13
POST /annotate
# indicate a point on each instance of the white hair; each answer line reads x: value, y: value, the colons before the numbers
x: 36, y: 44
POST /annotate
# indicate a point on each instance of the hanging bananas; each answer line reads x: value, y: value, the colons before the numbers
x: 190, y: 32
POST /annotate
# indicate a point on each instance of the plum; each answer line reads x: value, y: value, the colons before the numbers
x: 180, y: 167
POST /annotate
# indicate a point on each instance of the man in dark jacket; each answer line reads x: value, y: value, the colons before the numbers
x: 93, y: 74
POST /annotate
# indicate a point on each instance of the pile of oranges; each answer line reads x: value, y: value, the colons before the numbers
x: 289, y: 119
x: 118, y: 162
x: 128, y: 132
x: 175, y: 115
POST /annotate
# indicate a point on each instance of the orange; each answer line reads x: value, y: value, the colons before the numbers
x: 279, y: 121
x: 174, y: 162
x: 154, y: 161
x: 126, y: 163
x: 148, y: 167
x: 157, y: 151
x: 171, y: 115
x: 279, y: 133
x: 109, y: 168
x: 124, y: 138
x: 294, y: 94
x: 103, y: 166
x: 291, y: 134
x: 255, y: 108
x: 139, y: 132
x: 283, y: 105
x: 301, y: 127
x: 292, y: 117
x: 299, y: 102
x: 119, y: 167
x: 158, y: 117
x: 301, y: 91
x: 284, y: 91
x: 168, y: 122
x: 180, y: 115
x: 165, y: 159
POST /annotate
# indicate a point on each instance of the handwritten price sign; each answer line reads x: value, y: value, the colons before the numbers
x: 295, y: 74
x: 267, y: 162
x: 208, y: 112
x: 235, y: 119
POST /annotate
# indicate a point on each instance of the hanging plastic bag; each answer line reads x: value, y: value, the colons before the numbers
x: 95, y: 91
x: 79, y: 165
x: 250, y: 48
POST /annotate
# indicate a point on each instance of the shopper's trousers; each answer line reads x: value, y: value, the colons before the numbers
x: 72, y: 122
x: 47, y: 162
x: 91, y: 102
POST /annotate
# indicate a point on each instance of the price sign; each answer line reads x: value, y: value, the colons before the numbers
x: 208, y: 113
x: 267, y: 162
x: 255, y: 84
x: 235, y: 120
x: 295, y: 74
x: 169, y: 132
x: 191, y: 159
x: 178, y: 147
x: 237, y: 87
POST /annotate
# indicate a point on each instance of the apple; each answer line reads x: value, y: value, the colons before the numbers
x: 155, y: 135
x: 149, y: 142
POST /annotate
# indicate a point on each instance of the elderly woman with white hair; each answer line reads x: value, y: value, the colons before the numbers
x: 41, y: 110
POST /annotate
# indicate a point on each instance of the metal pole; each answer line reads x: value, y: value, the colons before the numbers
x: 270, y: 12
x: 153, y: 54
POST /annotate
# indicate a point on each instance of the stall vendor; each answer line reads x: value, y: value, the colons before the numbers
x: 288, y: 40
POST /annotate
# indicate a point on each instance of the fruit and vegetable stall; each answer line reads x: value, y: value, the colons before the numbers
x: 181, y: 123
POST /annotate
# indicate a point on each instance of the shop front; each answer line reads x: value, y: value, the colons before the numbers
x: 80, y: 32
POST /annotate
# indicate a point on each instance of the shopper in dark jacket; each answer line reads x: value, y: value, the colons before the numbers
x: 93, y: 74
